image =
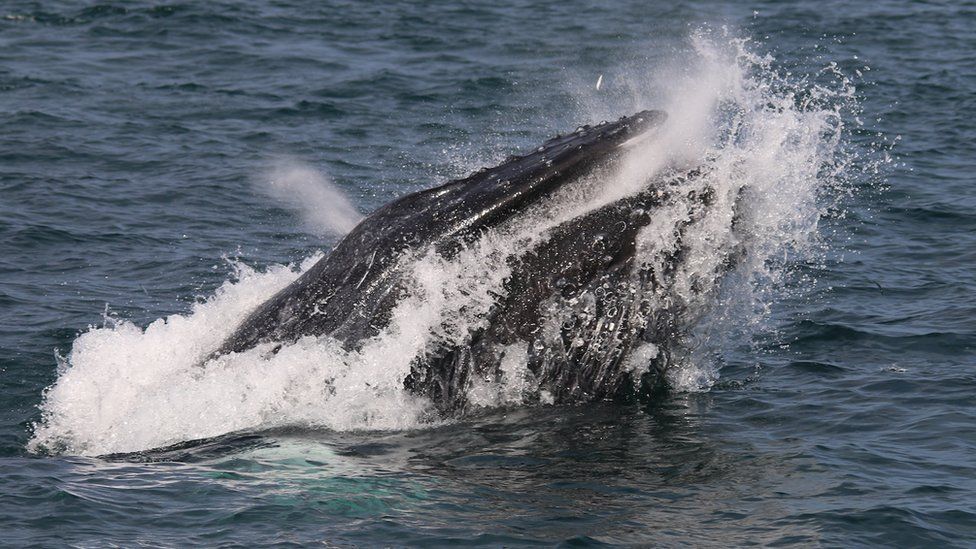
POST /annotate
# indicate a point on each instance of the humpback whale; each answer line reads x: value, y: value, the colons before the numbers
x: 590, y: 317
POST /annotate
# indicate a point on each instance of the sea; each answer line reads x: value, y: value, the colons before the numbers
x: 167, y: 166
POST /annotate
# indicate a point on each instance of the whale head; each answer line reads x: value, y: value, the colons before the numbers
x: 571, y: 299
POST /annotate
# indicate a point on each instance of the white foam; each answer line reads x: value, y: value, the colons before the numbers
x: 125, y: 388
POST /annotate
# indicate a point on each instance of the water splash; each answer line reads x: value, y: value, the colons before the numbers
x: 771, y: 147
x: 768, y: 147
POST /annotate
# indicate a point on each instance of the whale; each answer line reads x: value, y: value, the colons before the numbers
x: 588, y: 317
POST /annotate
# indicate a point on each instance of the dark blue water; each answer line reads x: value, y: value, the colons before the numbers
x: 136, y: 141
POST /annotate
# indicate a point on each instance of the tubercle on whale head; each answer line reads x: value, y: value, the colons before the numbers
x: 488, y: 196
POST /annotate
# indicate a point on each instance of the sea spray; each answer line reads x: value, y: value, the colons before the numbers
x: 772, y: 147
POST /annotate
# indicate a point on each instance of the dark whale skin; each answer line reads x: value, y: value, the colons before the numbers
x: 350, y: 293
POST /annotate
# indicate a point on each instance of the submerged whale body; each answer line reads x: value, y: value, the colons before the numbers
x: 586, y: 315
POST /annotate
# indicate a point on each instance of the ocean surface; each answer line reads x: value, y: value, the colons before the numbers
x: 164, y: 167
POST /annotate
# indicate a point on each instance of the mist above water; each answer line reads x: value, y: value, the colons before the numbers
x: 324, y: 208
